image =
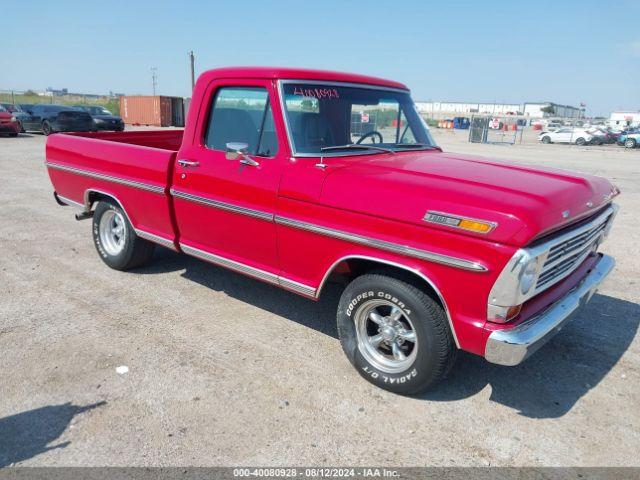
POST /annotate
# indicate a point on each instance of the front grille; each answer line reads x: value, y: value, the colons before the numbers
x: 570, y: 249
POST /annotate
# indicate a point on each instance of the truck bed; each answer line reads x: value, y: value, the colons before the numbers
x: 162, y: 139
x: 133, y: 167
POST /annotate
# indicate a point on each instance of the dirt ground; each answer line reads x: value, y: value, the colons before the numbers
x: 224, y: 370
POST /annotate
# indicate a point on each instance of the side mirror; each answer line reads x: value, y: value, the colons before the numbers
x: 238, y: 150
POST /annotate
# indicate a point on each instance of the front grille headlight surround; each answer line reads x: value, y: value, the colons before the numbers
x: 528, y: 272
x: 515, y: 284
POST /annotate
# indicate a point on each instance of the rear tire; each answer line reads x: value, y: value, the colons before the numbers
x: 116, y: 240
x: 377, y: 312
x: 630, y: 143
x: 580, y: 141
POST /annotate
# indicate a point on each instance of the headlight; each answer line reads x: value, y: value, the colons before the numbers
x: 14, y: 119
x: 529, y: 276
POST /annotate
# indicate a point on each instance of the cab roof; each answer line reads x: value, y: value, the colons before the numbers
x: 280, y: 73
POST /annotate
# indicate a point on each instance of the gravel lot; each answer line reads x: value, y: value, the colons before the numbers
x: 224, y: 370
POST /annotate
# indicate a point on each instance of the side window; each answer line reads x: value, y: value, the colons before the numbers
x: 242, y: 114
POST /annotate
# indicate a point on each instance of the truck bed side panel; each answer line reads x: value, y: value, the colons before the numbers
x: 137, y: 176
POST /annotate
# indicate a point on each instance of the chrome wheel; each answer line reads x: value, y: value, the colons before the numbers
x: 386, y: 336
x: 113, y: 232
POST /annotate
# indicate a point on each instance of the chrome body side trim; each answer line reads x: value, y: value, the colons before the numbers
x: 222, y: 205
x: 70, y: 202
x: 397, y: 265
x: 165, y: 242
x: 297, y: 287
x: 268, y: 277
x: 383, y: 245
x: 230, y: 264
x: 109, y: 178
x: 513, y: 345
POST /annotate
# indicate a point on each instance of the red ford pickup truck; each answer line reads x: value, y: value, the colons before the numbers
x: 300, y: 177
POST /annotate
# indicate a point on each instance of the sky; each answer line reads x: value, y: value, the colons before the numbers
x: 565, y: 52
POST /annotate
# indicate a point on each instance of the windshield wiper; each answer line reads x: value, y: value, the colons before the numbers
x: 416, y: 145
x: 356, y: 146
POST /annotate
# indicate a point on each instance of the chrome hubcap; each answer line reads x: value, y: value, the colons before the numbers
x: 112, y: 231
x: 386, y: 336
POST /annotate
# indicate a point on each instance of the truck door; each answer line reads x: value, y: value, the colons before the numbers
x: 225, y: 206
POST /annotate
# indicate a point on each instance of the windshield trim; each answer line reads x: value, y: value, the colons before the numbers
x: 283, y: 110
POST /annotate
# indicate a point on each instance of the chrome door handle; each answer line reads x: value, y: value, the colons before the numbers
x: 188, y: 163
x: 249, y: 161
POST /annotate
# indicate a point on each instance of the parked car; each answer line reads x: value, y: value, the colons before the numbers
x: 553, y: 126
x: 438, y: 251
x: 49, y: 119
x: 566, y: 135
x: 632, y: 140
x: 103, y: 119
x: 17, y: 112
x: 8, y: 123
x: 622, y: 138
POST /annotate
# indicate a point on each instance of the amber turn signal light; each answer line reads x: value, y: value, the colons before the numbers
x: 475, y: 226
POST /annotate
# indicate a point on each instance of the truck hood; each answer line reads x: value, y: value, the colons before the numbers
x: 525, y: 202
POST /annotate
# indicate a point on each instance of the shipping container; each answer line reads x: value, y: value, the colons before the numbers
x: 157, y: 111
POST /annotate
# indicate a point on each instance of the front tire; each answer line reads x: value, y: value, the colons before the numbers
x: 395, y: 335
x: 46, y: 128
x: 546, y: 139
x: 580, y: 141
x: 116, y: 240
x: 630, y: 143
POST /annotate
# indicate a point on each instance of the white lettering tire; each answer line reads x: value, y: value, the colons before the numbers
x: 394, y: 334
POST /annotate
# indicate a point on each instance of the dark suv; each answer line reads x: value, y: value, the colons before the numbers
x: 103, y: 119
x: 57, y: 118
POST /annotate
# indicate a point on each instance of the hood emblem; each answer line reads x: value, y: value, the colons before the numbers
x: 566, y: 214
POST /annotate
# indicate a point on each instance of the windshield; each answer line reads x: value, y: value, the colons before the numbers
x: 330, y: 115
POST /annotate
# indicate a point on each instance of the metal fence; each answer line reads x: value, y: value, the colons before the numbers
x: 496, y: 130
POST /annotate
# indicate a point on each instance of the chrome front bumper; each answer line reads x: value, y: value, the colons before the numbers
x: 512, y: 346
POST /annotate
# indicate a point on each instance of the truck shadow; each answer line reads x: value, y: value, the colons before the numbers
x: 318, y: 315
x: 27, y: 434
x: 547, y: 385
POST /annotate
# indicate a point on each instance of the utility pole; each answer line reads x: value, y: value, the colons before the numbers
x: 154, y: 79
x: 193, y: 75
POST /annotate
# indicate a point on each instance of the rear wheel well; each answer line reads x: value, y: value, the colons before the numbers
x: 350, y: 268
x: 92, y: 197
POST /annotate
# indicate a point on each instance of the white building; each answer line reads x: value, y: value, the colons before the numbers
x: 534, y: 110
x: 624, y: 119
x: 529, y: 109
x: 468, y: 108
